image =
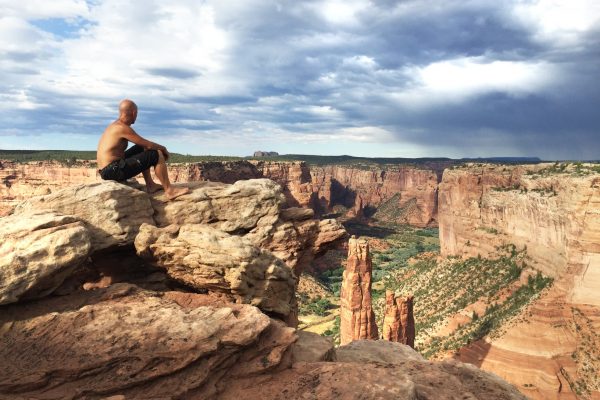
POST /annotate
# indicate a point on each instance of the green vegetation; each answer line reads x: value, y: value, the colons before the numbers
x: 576, y: 168
x: 73, y: 157
x: 359, y: 162
x: 390, y: 211
x: 318, y: 306
x: 457, y: 301
x: 443, y: 290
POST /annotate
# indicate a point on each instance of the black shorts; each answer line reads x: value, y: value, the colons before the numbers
x: 136, y: 160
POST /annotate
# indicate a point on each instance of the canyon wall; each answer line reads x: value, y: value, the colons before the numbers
x: 552, y: 211
x: 405, y: 194
x: 19, y: 181
x: 410, y: 192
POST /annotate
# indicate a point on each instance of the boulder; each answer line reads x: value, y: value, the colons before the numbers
x: 236, y: 208
x: 113, y: 212
x: 204, y: 257
x: 38, y: 251
x: 254, y: 209
x: 312, y: 347
x: 123, y: 341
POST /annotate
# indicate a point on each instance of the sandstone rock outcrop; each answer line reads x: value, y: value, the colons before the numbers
x: 204, y: 257
x: 552, y: 210
x: 111, y: 211
x: 253, y: 209
x: 398, y: 319
x: 38, y: 251
x: 133, y: 343
x: 246, y: 221
x: 357, y: 319
x: 20, y: 181
x: 375, y: 370
x: 124, y: 342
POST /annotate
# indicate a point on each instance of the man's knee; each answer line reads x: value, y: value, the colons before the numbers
x: 155, y: 156
x: 160, y: 156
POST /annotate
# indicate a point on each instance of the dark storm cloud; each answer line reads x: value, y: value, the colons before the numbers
x: 550, y: 123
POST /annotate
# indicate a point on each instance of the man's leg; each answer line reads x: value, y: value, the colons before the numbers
x: 151, y: 186
x: 163, y: 176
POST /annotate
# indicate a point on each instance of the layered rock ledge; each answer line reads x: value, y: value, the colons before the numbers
x: 235, y: 242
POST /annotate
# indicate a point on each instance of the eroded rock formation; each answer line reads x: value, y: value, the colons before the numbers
x: 357, y: 319
x: 237, y: 239
x: 554, y: 212
x: 126, y: 342
x: 38, y: 250
x: 398, y: 319
x: 204, y: 257
x: 19, y: 181
x: 111, y: 211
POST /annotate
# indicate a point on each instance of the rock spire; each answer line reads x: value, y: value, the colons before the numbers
x: 357, y: 319
x: 398, y: 321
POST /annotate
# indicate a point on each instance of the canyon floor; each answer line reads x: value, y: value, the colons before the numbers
x: 457, y: 301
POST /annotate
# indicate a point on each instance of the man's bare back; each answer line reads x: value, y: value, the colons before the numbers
x: 112, y: 144
x: 117, y: 163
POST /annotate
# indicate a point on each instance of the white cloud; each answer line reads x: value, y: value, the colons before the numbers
x: 458, y: 80
x: 145, y: 49
x: 558, y: 22
x: 342, y: 12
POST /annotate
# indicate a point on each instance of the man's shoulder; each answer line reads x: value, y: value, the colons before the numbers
x: 117, y: 127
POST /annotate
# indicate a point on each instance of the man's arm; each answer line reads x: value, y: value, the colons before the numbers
x: 131, y: 135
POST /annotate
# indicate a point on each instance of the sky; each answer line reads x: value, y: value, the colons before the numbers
x: 378, y: 78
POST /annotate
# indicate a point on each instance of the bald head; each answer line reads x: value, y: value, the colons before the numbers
x: 127, y: 111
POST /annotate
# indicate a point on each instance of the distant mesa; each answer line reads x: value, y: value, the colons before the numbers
x: 265, y: 153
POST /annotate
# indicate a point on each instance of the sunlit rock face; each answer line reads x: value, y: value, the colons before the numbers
x: 38, y: 251
x: 554, y: 212
x: 357, y: 319
x: 398, y: 319
x: 111, y: 211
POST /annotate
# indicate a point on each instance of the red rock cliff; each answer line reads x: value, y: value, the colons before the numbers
x: 554, y: 212
x: 357, y: 319
x: 410, y: 190
x: 405, y: 194
x: 20, y: 181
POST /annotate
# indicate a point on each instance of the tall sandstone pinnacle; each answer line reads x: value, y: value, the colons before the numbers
x: 399, y: 321
x: 357, y: 319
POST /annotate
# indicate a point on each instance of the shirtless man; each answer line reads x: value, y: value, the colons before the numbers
x: 114, y: 163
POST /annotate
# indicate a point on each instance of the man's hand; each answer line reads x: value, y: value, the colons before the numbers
x: 163, y: 149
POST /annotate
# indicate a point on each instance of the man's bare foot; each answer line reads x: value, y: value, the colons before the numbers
x: 153, y: 187
x: 173, y: 193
